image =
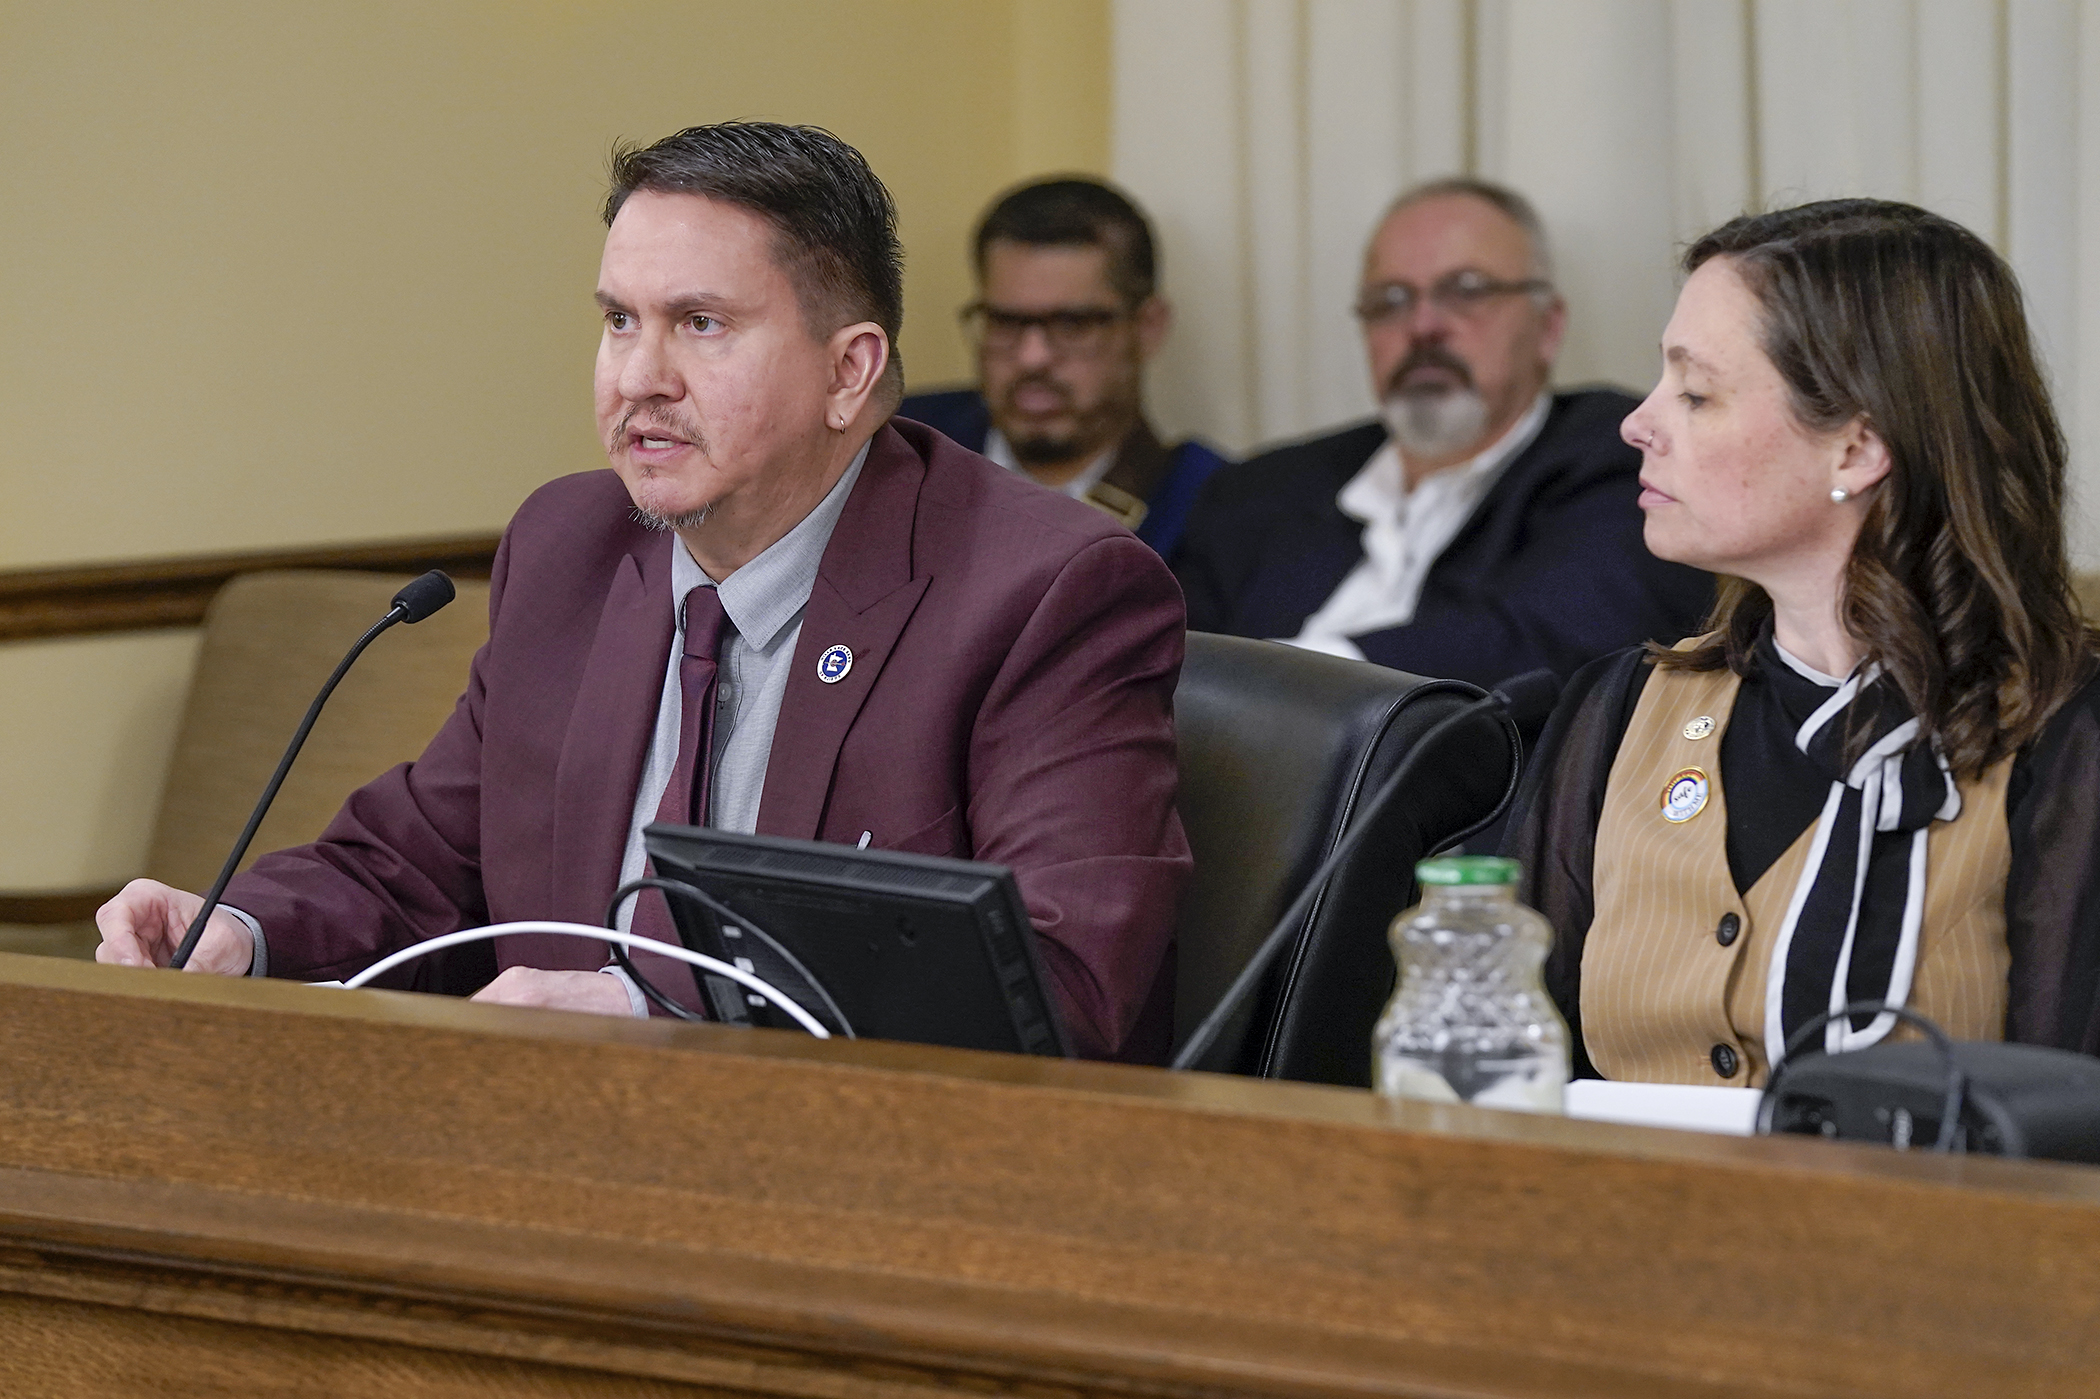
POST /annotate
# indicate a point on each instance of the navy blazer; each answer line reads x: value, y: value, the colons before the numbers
x: 1549, y: 570
x: 1166, y: 479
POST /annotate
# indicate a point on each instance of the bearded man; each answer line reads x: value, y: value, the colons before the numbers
x: 1067, y: 316
x: 1483, y: 525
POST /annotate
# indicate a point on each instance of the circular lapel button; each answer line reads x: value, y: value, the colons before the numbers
x: 833, y: 664
x: 1726, y: 933
x: 1684, y: 797
x: 1724, y: 1060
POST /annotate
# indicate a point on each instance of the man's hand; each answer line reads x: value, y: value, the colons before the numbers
x: 143, y: 925
x: 592, y: 992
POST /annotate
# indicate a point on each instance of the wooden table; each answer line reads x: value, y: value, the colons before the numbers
x: 228, y: 1187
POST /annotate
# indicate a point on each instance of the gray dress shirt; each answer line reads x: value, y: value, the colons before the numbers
x: 764, y: 601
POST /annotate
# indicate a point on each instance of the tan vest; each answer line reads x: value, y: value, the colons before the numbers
x: 1660, y: 991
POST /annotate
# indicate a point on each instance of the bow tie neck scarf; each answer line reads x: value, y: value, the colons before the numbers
x: 1852, y: 926
x: 685, y: 795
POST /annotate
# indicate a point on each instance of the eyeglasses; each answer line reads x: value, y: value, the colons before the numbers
x: 1460, y: 295
x: 1076, y: 330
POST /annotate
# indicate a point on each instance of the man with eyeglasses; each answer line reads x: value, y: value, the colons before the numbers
x: 1066, y: 318
x: 1483, y: 525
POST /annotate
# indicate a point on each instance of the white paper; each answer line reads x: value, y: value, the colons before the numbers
x: 1686, y: 1106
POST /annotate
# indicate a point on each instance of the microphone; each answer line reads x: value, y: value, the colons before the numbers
x: 1529, y: 694
x: 419, y: 598
x: 413, y: 603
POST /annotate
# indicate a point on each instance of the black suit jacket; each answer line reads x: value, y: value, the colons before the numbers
x: 1548, y: 571
x: 1167, y: 479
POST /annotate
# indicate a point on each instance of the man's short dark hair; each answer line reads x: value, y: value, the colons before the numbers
x: 834, y: 224
x: 1076, y: 213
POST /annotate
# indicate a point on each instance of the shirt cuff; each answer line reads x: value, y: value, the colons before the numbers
x: 260, y: 965
x: 637, y: 1003
x: 1326, y: 645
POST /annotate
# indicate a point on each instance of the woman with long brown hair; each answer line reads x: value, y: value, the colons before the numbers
x: 1876, y: 777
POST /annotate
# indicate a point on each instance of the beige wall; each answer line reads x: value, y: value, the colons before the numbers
x: 282, y: 274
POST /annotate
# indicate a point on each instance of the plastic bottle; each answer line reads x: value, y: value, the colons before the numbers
x: 1470, y: 1020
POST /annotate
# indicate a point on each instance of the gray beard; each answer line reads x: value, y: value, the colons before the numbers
x: 664, y: 524
x: 1435, y: 424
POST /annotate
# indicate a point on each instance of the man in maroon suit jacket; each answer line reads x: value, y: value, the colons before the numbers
x: 1013, y: 651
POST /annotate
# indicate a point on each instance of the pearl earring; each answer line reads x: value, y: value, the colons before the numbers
x: 1839, y: 495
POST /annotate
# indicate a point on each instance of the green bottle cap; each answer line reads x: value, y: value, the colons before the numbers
x: 1468, y: 869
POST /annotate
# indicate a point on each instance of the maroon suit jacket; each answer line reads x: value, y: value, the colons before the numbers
x: 1014, y: 660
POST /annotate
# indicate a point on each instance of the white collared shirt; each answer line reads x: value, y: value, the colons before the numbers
x: 1000, y: 452
x: 1404, y: 532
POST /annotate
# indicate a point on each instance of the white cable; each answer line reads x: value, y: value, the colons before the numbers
x: 584, y: 930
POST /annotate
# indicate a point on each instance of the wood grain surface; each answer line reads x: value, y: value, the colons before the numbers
x: 230, y: 1187
x: 151, y: 594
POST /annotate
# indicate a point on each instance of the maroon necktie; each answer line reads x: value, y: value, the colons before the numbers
x: 685, y: 795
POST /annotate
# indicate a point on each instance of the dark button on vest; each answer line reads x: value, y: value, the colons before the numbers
x: 1725, y: 1060
x: 1726, y: 933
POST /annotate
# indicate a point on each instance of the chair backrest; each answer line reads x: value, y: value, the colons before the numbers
x: 270, y: 640
x: 1280, y: 750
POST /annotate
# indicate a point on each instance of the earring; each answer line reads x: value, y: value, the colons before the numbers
x: 1839, y: 495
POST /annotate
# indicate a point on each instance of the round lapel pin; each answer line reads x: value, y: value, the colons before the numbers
x: 1684, y: 796
x: 833, y: 664
x: 1701, y: 727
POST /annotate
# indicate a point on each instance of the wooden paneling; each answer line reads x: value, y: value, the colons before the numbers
x: 64, y: 906
x: 384, y: 1194
x: 77, y: 1350
x: 161, y: 593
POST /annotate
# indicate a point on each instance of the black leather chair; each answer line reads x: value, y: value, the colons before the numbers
x: 1281, y: 749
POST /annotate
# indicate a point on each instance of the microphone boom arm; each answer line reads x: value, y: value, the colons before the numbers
x: 412, y: 604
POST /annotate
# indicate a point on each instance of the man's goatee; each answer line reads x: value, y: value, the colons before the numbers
x: 692, y: 519
x: 1435, y: 423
